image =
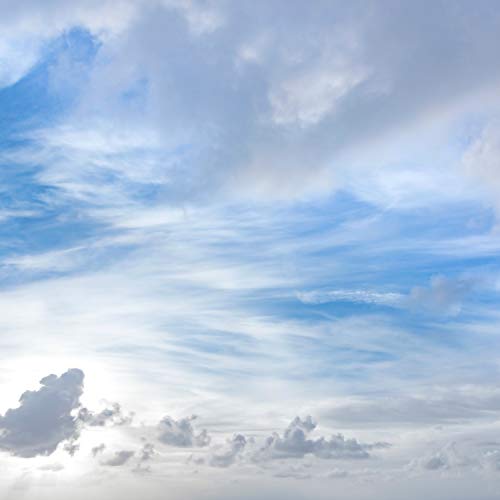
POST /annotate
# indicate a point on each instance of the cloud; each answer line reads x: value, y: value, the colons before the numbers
x: 96, y: 450
x: 112, y: 416
x: 481, y: 161
x: 443, y: 406
x: 360, y: 296
x: 44, y: 417
x: 294, y: 443
x: 295, y: 472
x: 181, y: 433
x: 51, y: 467
x: 146, y: 455
x: 259, y: 111
x: 442, y: 296
x: 120, y: 458
x: 229, y: 453
x: 446, y: 458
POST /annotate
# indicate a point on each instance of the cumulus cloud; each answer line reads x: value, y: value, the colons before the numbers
x: 229, y: 453
x: 109, y: 416
x: 295, y: 443
x: 181, y: 433
x: 44, y: 418
x: 447, y: 457
x: 146, y: 455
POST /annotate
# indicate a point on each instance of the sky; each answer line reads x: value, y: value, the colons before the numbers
x: 249, y: 250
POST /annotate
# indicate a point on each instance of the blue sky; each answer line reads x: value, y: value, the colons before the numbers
x: 249, y: 249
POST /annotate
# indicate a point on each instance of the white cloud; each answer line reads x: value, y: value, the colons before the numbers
x: 362, y: 296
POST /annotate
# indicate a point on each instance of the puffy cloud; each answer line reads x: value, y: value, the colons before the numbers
x: 447, y: 457
x: 229, y: 453
x: 146, y: 455
x: 119, y: 458
x: 44, y: 417
x: 181, y: 433
x: 112, y: 416
x: 294, y: 443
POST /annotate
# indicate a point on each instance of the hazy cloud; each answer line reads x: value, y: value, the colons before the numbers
x: 119, y: 458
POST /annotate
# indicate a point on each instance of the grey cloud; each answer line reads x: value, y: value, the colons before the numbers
x: 181, y: 433
x: 113, y: 416
x: 228, y: 454
x: 265, y: 108
x: 449, y: 407
x: 119, y: 458
x: 51, y: 467
x: 295, y: 472
x: 96, y: 450
x: 294, y: 443
x: 146, y: 455
x: 447, y: 457
x: 147, y: 452
x: 71, y: 447
x: 44, y: 417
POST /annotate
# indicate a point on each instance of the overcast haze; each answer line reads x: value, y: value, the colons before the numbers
x: 249, y: 250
